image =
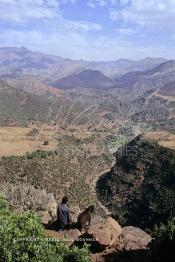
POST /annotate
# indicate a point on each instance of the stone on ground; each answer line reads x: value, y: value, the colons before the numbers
x: 133, y: 238
x: 106, y: 232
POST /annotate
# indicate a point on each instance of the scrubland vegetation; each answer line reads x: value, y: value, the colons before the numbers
x: 68, y: 170
x: 22, y: 238
x: 139, y: 190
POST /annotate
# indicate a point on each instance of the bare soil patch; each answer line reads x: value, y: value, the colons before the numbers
x: 17, y: 141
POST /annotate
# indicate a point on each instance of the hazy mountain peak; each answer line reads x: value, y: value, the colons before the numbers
x: 20, y: 61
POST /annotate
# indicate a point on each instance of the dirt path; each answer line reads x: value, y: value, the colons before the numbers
x: 94, y: 184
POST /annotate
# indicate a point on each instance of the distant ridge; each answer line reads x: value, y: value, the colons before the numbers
x: 33, y: 86
x: 17, y: 62
x: 85, y: 79
x: 156, y: 78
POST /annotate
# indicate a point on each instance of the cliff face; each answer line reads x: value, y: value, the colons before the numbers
x: 140, y: 188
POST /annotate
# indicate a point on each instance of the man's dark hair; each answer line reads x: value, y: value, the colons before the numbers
x: 64, y: 199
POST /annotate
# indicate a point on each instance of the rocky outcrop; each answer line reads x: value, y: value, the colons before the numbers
x: 106, y: 232
x: 96, y: 220
x: 50, y: 212
x: 133, y: 238
x: 75, y: 211
x: 107, y: 240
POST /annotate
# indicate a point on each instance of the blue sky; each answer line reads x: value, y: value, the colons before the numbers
x: 90, y: 29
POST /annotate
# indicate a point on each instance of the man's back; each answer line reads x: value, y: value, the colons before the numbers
x: 64, y: 215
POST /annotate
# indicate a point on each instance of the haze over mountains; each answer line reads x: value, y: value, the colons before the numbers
x: 16, y: 61
x: 28, y: 66
x: 116, y: 89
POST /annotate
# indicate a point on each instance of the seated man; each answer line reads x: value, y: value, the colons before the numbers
x: 64, y: 214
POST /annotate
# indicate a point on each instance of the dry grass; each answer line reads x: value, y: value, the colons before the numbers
x: 16, y: 141
x: 164, y: 138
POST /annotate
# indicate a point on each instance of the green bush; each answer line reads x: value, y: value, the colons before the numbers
x: 46, y: 143
x: 39, y: 154
x: 22, y: 238
x: 162, y: 246
x: 167, y: 231
x: 3, y: 205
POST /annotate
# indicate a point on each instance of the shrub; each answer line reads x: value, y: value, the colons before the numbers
x: 34, y: 132
x: 167, y: 231
x: 22, y: 238
x: 46, y: 143
x: 162, y: 247
x: 22, y: 196
x: 3, y: 205
x: 39, y: 154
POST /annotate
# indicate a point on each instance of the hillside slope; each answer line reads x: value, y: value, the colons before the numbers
x: 86, y: 79
x: 33, y: 86
x: 168, y: 89
x: 69, y: 169
x: 139, y: 189
x: 20, y: 107
x: 139, y: 82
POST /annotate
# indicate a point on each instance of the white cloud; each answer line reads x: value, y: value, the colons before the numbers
x: 154, y: 13
x: 21, y: 11
x: 95, y: 3
x: 127, y: 31
x: 17, y: 11
x: 114, y: 14
x: 74, y: 45
x: 83, y: 25
x: 40, y: 25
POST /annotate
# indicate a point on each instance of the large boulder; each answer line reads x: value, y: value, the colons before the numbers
x: 96, y: 219
x: 50, y: 209
x: 105, y: 232
x: 52, y: 205
x: 75, y: 211
x: 133, y: 238
x: 45, y: 217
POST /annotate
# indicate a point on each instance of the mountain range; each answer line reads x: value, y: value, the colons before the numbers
x: 15, y: 61
x: 36, y: 90
x: 156, y: 78
x: 136, y: 82
x: 37, y: 72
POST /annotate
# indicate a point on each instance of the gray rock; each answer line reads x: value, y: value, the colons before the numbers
x: 133, y: 238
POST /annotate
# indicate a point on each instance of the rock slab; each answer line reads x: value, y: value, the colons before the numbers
x: 133, y: 238
x: 106, y: 232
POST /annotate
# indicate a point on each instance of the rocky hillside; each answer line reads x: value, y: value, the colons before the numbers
x: 19, y: 107
x: 139, y: 189
x: 33, y: 86
x: 168, y: 89
x: 139, y: 82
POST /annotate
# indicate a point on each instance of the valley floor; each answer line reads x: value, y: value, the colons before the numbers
x: 17, y: 140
